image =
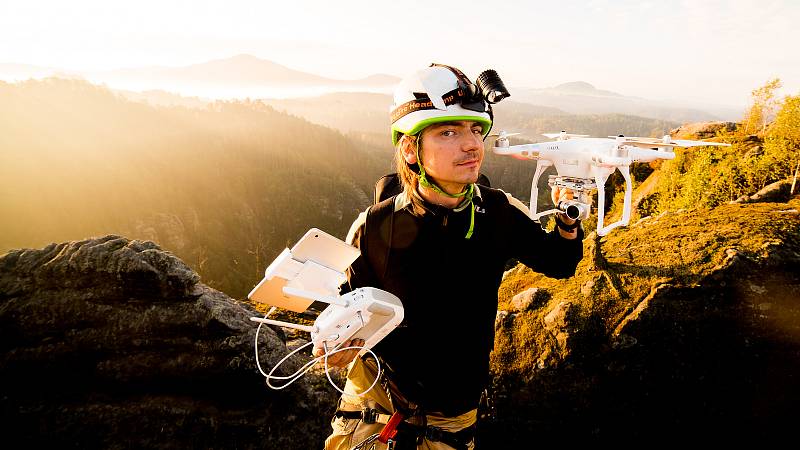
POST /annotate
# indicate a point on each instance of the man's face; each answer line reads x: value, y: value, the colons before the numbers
x: 452, y: 153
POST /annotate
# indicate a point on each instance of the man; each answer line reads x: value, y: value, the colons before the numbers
x: 440, y: 246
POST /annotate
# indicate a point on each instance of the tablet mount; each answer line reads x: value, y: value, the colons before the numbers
x: 365, y: 313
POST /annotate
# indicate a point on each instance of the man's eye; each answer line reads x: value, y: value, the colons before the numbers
x: 448, y: 133
x: 477, y: 130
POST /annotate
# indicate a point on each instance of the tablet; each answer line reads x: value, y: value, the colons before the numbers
x: 288, y: 269
x: 324, y: 249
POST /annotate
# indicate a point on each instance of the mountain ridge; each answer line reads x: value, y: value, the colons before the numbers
x: 245, y: 75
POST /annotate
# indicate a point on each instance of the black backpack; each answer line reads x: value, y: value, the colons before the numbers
x: 380, y: 219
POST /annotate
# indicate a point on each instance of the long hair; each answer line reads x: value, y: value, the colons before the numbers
x: 409, y: 177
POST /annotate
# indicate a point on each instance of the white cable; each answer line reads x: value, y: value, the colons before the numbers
x: 306, y: 367
x: 271, y: 310
x: 328, y: 374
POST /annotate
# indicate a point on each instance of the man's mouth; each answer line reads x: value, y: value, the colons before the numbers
x: 467, y: 162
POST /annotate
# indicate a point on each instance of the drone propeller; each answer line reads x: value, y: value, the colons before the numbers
x: 649, y: 144
x: 666, y: 141
x: 690, y: 143
x: 564, y: 135
x: 502, y: 135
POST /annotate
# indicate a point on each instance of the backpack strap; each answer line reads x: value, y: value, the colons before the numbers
x: 378, y: 232
x: 387, y: 186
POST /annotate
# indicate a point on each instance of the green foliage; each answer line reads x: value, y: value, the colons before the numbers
x: 782, y: 144
x: 763, y: 108
x: 711, y: 176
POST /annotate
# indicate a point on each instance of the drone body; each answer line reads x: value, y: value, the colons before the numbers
x: 584, y: 164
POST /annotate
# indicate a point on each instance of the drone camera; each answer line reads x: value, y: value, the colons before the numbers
x: 575, y: 210
x: 492, y: 86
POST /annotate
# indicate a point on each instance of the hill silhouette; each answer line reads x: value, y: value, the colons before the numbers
x: 225, y: 188
x: 368, y: 113
x: 580, y: 97
x: 241, y: 71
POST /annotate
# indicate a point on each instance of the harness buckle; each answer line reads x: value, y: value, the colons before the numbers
x: 369, y: 415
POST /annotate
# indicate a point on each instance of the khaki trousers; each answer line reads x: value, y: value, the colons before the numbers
x: 348, y: 433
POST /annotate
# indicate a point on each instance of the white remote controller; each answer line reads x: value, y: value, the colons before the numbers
x: 370, y: 315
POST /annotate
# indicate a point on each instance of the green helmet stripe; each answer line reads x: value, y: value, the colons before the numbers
x: 422, y: 124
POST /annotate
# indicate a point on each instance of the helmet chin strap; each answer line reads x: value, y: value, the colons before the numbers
x: 468, y: 193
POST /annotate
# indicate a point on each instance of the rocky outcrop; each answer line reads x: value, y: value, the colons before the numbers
x: 114, y: 343
x: 778, y: 191
x: 684, y: 326
x: 702, y: 130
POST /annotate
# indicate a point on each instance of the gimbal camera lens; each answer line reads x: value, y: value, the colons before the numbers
x: 573, y: 212
x: 491, y: 86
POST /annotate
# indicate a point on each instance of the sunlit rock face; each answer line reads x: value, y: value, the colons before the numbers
x: 683, y: 326
x: 114, y: 343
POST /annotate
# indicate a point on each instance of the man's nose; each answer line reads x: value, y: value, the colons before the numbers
x: 472, y: 142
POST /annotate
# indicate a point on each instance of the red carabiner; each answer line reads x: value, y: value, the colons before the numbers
x: 390, y: 430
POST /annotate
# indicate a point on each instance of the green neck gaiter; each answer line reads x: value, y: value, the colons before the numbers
x: 468, y: 193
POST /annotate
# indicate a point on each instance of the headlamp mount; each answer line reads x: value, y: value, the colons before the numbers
x: 479, y: 96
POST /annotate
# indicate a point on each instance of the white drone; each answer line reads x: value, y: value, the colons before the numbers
x: 584, y: 164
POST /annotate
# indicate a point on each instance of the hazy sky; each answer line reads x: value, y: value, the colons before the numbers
x: 704, y: 50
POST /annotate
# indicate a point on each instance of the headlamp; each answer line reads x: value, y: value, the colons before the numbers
x: 491, y: 86
x: 487, y: 90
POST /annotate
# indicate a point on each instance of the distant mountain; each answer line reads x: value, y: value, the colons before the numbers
x: 369, y: 113
x: 238, y: 76
x: 579, y: 97
x: 19, y: 72
x: 158, y: 97
x: 583, y: 88
x: 240, y: 69
x: 343, y: 111
x: 247, y: 76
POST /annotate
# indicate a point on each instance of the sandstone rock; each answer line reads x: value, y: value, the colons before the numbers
x: 514, y: 270
x: 529, y: 298
x: 695, y: 333
x: 557, y: 317
x: 701, y: 130
x: 775, y: 192
x: 113, y: 343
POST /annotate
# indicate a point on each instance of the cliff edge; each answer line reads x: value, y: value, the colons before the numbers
x: 115, y: 343
x: 680, y: 326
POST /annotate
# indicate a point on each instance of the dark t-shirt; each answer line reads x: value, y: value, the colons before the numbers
x: 439, y: 355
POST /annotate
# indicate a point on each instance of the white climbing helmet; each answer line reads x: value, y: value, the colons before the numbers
x: 439, y: 93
